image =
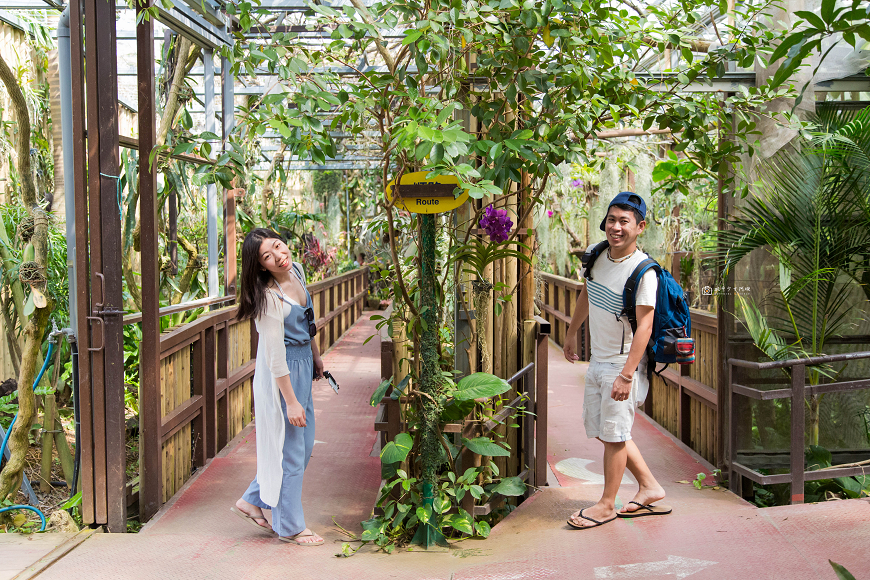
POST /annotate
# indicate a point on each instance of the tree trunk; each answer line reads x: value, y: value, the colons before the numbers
x: 34, y: 330
x: 189, y: 270
x: 268, y: 192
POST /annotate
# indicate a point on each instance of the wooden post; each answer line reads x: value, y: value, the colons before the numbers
x: 725, y: 324
x: 199, y: 425
x: 230, y: 261
x: 684, y: 417
x: 527, y: 237
x: 529, y: 352
x: 320, y: 306
x: 82, y: 282
x: 733, y: 476
x: 331, y: 337
x: 798, y: 394
x: 542, y: 385
x: 150, y: 463
x: 106, y: 258
x: 210, y: 382
x: 223, y: 405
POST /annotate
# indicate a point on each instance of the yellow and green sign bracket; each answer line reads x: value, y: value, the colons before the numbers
x: 418, y: 194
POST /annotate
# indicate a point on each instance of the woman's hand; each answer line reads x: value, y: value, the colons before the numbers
x: 318, y: 368
x: 296, y: 414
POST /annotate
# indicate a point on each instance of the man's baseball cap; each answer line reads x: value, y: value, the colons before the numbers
x: 626, y: 198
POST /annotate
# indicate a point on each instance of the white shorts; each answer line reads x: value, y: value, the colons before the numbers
x: 604, y: 418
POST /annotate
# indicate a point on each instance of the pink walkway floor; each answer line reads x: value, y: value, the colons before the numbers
x: 711, y: 534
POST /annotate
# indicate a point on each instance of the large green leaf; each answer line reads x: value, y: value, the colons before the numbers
x: 483, y: 529
x: 850, y: 486
x: 462, y: 522
x: 380, y: 392
x: 456, y: 410
x: 396, y: 451
x: 486, y: 446
x: 818, y: 457
x: 480, y: 386
x: 399, y: 389
x: 372, y: 529
x: 510, y: 486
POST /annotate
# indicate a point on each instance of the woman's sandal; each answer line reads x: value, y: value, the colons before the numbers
x: 252, y: 520
x: 296, y: 539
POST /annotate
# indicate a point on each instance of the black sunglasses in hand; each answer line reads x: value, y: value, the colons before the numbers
x: 312, y: 328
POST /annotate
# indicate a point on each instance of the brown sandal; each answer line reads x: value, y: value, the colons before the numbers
x: 646, y: 510
x: 252, y: 519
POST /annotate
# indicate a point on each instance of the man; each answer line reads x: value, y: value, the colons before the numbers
x: 616, y: 382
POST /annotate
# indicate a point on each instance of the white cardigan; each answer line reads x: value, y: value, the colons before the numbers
x: 271, y: 364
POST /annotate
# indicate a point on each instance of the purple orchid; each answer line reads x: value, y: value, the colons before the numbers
x: 549, y: 213
x: 497, y: 224
x: 576, y: 183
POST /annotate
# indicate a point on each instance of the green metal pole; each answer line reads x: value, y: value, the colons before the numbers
x: 429, y: 534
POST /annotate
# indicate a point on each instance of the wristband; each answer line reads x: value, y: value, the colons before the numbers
x: 624, y: 378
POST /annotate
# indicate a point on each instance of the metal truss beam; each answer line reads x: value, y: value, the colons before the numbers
x: 854, y: 83
x: 729, y: 83
x: 195, y: 24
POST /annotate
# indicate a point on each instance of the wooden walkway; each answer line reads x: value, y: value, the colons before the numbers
x: 711, y: 534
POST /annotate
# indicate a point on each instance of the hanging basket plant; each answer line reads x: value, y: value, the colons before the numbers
x: 32, y: 274
x: 25, y: 228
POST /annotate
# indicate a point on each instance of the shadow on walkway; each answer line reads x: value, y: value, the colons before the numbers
x: 711, y: 534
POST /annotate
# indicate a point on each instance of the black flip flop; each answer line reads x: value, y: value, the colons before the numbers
x: 646, y: 510
x: 596, y: 522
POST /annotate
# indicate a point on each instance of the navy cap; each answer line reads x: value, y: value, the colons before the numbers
x: 626, y: 198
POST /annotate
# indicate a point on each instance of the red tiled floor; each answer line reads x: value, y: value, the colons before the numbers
x: 711, y: 534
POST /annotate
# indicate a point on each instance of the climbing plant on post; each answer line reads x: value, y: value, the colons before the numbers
x: 429, y: 533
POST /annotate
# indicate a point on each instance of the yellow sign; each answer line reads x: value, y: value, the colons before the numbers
x: 420, y: 195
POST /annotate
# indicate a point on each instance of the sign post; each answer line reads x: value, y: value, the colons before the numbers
x: 428, y: 197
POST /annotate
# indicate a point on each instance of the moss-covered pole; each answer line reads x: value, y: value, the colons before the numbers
x: 430, y: 448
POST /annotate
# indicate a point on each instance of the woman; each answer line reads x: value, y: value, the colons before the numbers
x: 273, y: 293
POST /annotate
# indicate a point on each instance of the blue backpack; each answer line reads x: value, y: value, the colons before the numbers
x: 670, y: 341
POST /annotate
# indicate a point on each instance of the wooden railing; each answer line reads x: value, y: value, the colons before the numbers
x: 529, y: 392
x: 797, y: 391
x: 684, y: 400
x: 205, y: 396
x: 204, y: 391
x: 338, y: 303
x: 558, y: 299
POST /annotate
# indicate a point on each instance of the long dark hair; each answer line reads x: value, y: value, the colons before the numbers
x: 255, y: 279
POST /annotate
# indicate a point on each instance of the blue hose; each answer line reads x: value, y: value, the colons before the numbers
x: 27, y: 507
x: 9, y: 432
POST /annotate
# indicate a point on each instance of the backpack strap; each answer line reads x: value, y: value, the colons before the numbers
x: 629, y: 305
x: 588, y: 258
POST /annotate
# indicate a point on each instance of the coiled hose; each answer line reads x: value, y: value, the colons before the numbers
x: 41, y: 515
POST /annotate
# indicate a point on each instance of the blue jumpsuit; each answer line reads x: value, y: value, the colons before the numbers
x: 288, y: 518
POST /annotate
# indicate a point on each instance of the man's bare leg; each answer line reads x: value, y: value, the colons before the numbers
x: 615, y: 457
x: 649, y: 490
